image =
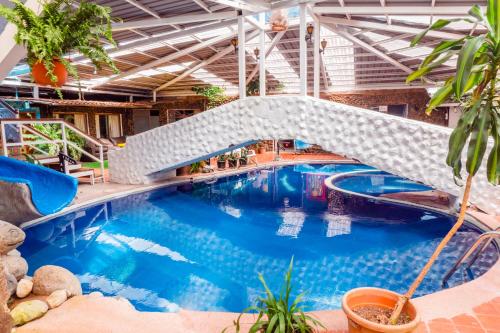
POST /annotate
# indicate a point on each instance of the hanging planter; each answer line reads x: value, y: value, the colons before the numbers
x: 279, y: 20
x: 41, y: 75
x: 61, y: 28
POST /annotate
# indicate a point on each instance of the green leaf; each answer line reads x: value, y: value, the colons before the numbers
x: 493, y: 16
x: 493, y: 164
x: 272, y: 322
x: 439, y: 97
x: 478, y: 141
x: 465, y: 62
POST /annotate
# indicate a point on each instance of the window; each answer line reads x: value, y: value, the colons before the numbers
x: 400, y: 110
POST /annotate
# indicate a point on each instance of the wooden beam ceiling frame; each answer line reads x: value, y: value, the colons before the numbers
x: 203, y: 63
x: 253, y: 6
x: 16, y: 83
x: 392, y: 39
x: 377, y: 52
x: 167, y: 58
x: 271, y: 46
x: 178, y: 19
x: 202, y: 5
x: 393, y: 27
x: 395, y: 10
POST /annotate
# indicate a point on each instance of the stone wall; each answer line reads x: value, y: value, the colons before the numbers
x: 404, y: 147
x: 168, y: 105
x: 416, y: 99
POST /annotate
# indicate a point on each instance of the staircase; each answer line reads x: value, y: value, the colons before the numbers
x: 34, y: 147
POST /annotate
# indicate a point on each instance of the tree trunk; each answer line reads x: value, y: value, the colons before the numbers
x: 5, y: 318
x: 461, y: 217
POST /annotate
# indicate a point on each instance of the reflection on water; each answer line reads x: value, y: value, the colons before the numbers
x: 200, y: 246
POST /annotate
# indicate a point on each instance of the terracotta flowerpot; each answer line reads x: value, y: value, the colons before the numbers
x: 39, y: 74
x: 380, y: 297
x: 232, y: 163
x: 261, y: 150
x: 221, y: 164
x: 243, y: 161
x: 183, y: 171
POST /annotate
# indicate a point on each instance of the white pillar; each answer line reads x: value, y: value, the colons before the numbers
x: 36, y: 92
x: 262, y: 59
x: 241, y: 57
x: 303, y: 49
x: 317, y: 28
x: 154, y: 96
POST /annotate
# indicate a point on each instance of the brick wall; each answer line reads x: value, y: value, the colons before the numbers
x: 168, y: 105
x: 415, y: 98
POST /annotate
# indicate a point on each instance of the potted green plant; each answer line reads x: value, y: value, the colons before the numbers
x: 474, y: 87
x: 214, y: 95
x: 196, y: 167
x: 280, y: 314
x: 221, y: 161
x: 232, y: 160
x: 244, y: 157
x: 63, y: 27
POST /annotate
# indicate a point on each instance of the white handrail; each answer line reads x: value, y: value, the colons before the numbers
x: 21, y: 124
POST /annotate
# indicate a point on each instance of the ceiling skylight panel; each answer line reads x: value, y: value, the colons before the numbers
x: 212, y: 79
x: 213, y: 33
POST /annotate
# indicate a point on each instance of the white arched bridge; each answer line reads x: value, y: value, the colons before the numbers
x: 404, y: 147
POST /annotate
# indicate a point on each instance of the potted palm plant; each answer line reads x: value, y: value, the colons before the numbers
x: 232, y: 160
x: 244, y: 157
x: 280, y: 314
x: 63, y: 27
x: 474, y: 87
x: 221, y: 161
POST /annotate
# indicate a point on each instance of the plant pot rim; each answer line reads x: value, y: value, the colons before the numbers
x: 376, y: 326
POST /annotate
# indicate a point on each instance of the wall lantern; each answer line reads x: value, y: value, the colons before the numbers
x: 256, y: 51
x: 234, y: 43
x: 309, y: 31
x: 323, y: 46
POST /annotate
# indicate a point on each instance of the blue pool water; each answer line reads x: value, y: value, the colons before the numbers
x: 200, y: 246
x: 378, y: 183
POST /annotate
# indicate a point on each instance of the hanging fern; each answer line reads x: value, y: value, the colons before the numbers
x: 63, y: 27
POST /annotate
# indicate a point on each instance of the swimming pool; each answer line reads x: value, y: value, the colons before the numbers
x: 200, y: 246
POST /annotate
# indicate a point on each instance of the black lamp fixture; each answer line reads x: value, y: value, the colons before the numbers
x: 323, y: 46
x: 234, y: 43
x: 256, y: 51
x: 309, y: 31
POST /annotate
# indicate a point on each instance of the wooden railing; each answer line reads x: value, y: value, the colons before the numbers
x: 26, y: 125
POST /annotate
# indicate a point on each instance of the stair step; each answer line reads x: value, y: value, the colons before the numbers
x: 82, y: 172
x: 48, y: 160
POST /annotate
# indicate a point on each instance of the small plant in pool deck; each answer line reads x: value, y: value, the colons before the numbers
x: 232, y: 160
x: 61, y: 28
x: 244, y: 157
x: 279, y: 314
x: 196, y: 167
x: 221, y: 161
x: 474, y: 87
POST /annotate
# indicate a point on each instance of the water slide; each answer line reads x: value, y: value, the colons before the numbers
x: 29, y: 191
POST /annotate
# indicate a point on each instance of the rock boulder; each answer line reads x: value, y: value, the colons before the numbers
x: 24, y: 288
x: 48, y: 279
x: 10, y: 237
x: 57, y: 298
x: 27, y: 311
x: 15, y: 265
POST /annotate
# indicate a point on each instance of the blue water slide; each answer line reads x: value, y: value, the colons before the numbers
x: 51, y: 191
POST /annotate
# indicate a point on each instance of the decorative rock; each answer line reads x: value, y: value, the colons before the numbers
x: 24, y: 288
x: 14, y: 253
x: 10, y: 237
x: 124, y: 301
x: 48, y: 279
x: 57, y: 298
x: 11, y: 284
x: 15, y: 265
x: 28, y: 311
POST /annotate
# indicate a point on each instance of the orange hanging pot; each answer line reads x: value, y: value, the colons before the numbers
x: 39, y: 74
